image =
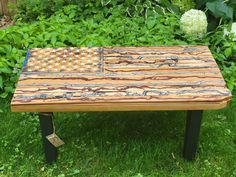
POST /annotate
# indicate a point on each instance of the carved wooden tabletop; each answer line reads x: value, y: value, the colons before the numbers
x: 120, y: 79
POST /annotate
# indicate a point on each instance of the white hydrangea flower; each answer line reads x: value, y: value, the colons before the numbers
x: 194, y: 22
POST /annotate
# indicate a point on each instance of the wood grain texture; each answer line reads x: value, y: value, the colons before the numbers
x: 120, y: 79
x: 4, y: 7
x: 1, y: 10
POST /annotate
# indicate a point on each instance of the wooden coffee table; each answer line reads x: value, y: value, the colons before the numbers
x: 120, y: 79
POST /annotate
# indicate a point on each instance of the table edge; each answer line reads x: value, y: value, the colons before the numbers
x: 98, y: 107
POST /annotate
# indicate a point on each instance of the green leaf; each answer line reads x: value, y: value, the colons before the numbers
x: 9, y: 89
x: 151, y: 23
x: 1, y: 82
x: 231, y: 84
x: 220, y: 9
x: 75, y: 172
x: 53, y: 39
x: 5, y: 70
x: 228, y: 52
x: 234, y: 48
x: 61, y: 175
x: 2, y: 34
x: 25, y: 36
x: 4, y: 95
x: 5, y: 49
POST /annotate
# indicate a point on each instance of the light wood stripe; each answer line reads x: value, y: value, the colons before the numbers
x: 118, y: 106
x: 199, y: 72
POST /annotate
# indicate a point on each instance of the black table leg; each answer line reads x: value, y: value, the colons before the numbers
x: 46, y: 125
x: 192, y: 131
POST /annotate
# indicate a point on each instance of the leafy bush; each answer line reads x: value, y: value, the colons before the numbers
x: 224, y: 51
x: 30, y: 10
x: 184, y: 5
x: 218, y: 10
x: 9, y: 56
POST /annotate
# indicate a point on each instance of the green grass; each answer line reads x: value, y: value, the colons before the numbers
x: 131, y: 144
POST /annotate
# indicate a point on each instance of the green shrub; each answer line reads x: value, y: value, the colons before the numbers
x: 224, y: 51
x: 184, y: 5
x: 217, y: 11
x: 30, y: 10
x: 9, y: 60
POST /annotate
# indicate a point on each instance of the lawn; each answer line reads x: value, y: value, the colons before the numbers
x: 132, y: 144
x: 118, y: 144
